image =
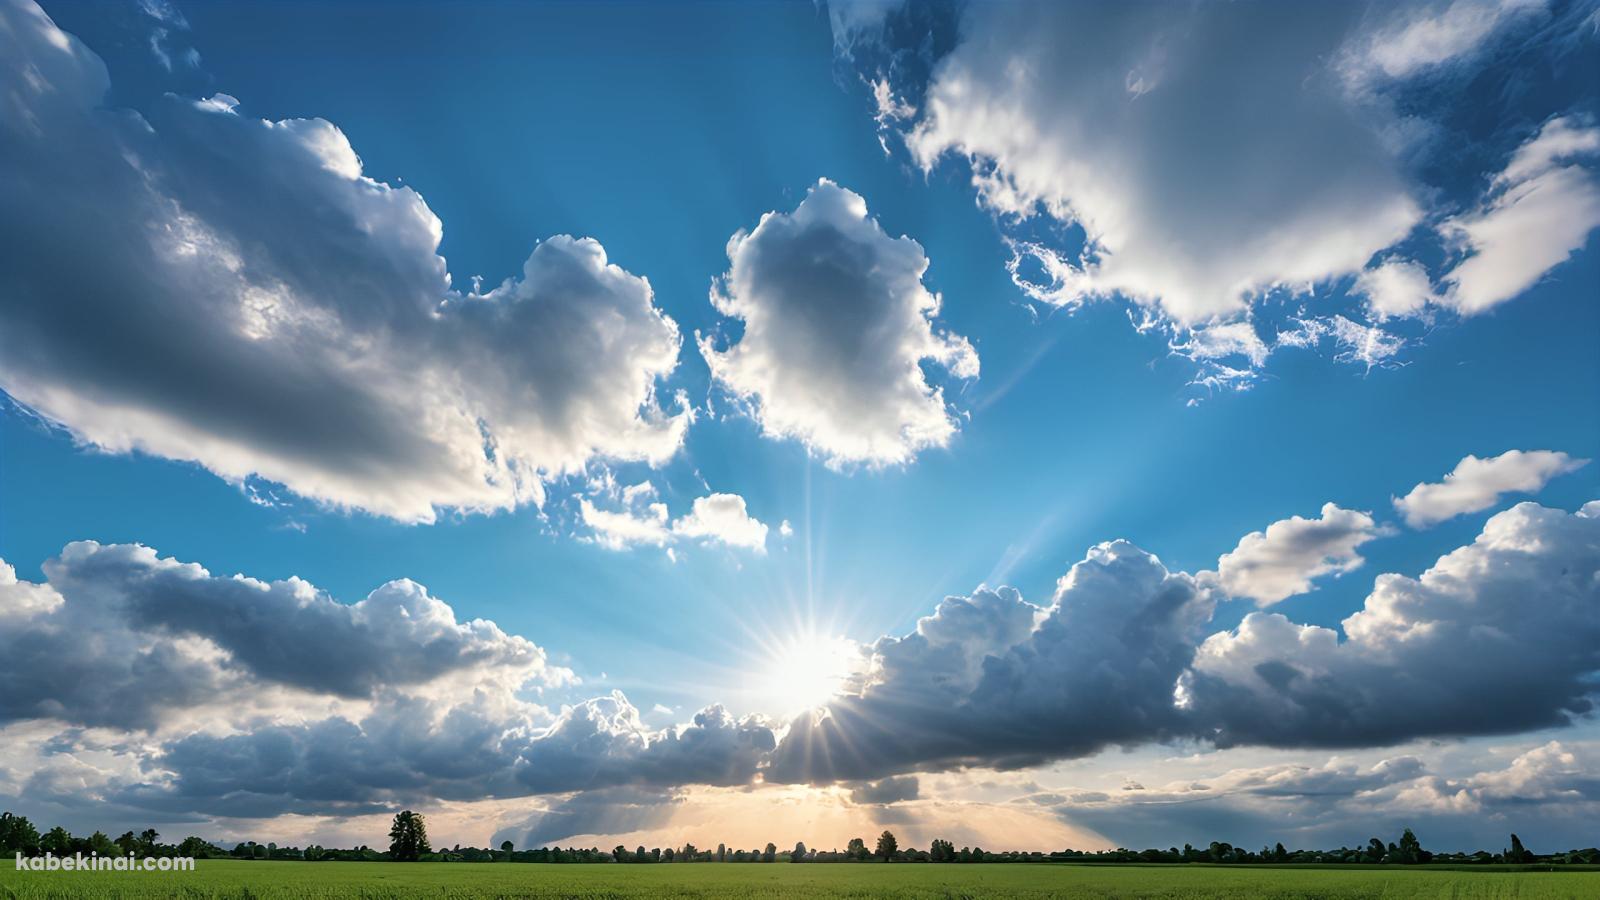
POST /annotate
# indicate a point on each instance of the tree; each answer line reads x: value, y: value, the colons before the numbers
x: 857, y: 848
x: 887, y: 845
x: 799, y: 852
x: 17, y: 835
x: 57, y: 841
x: 506, y: 847
x: 408, y: 837
x: 1518, y: 853
x: 147, y: 840
x: 771, y: 853
x: 722, y: 853
x: 942, y: 851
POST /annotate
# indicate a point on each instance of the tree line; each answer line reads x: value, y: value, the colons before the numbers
x: 408, y: 842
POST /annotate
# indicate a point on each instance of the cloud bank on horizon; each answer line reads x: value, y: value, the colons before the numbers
x: 233, y: 700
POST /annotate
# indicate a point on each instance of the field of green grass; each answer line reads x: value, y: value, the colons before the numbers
x: 273, y: 880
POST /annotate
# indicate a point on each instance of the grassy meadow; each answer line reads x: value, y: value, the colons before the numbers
x: 272, y: 880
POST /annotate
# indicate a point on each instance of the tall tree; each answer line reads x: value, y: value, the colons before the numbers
x: 17, y: 835
x: 771, y: 853
x: 408, y: 837
x: 887, y: 845
x: 799, y: 852
x: 857, y: 848
x: 506, y: 847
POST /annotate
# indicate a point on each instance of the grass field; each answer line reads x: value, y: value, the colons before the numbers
x: 268, y: 881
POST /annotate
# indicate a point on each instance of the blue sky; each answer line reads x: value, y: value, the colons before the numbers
x: 662, y: 130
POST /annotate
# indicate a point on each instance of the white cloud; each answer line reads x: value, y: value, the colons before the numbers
x: 724, y: 519
x: 837, y: 324
x: 618, y: 529
x: 1282, y: 561
x: 211, y: 287
x: 1228, y: 172
x: 714, y: 518
x: 1430, y: 35
x: 1539, y: 212
x: 1394, y: 288
x: 1477, y: 484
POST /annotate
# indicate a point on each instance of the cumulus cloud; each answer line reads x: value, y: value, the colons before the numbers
x: 1396, y: 287
x: 259, y: 698
x: 1269, y: 566
x: 714, y: 518
x: 1498, y: 636
x: 991, y: 680
x: 1539, y: 211
x: 836, y: 327
x: 1202, y: 170
x: 235, y: 697
x: 206, y: 286
x: 125, y: 638
x: 1477, y: 484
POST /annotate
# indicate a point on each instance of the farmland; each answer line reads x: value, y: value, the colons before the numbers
x: 273, y: 880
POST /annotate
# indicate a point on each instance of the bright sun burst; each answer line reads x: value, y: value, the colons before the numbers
x: 807, y: 670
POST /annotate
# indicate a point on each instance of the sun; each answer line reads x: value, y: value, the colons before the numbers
x: 806, y: 671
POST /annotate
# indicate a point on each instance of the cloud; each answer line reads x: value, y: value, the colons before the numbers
x: 1282, y: 561
x: 837, y: 324
x: 1395, y: 288
x: 714, y: 518
x: 1428, y: 35
x: 609, y: 812
x: 121, y: 637
x: 722, y: 518
x: 202, y: 285
x: 1207, y: 154
x: 990, y: 680
x: 1546, y: 793
x: 1233, y: 171
x: 240, y: 698
x: 1539, y: 211
x: 889, y: 790
x: 1498, y: 636
x: 1477, y: 484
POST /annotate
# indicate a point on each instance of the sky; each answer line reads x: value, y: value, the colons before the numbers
x: 1030, y: 425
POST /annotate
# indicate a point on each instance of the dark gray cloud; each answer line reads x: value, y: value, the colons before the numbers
x: 201, y: 285
x: 135, y: 638
x: 991, y: 680
x: 1501, y: 635
x: 889, y: 790
x: 611, y: 811
x: 410, y: 750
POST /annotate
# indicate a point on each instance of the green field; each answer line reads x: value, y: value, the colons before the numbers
x: 230, y: 878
